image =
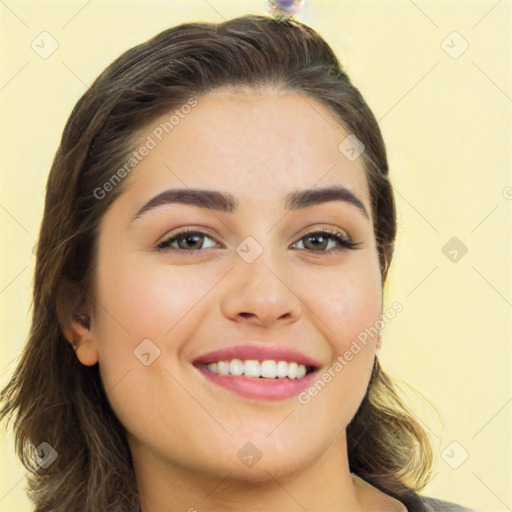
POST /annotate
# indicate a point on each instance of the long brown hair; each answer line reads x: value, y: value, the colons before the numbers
x: 56, y: 399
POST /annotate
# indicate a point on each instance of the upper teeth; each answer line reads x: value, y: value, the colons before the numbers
x: 268, y: 369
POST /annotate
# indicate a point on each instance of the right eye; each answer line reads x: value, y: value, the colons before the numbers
x: 189, y: 236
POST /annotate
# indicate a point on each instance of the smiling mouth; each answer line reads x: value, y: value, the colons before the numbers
x: 252, y: 368
x: 272, y: 382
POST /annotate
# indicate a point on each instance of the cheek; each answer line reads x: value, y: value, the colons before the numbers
x: 151, y: 306
x: 149, y: 300
x: 347, y: 308
x: 347, y: 300
x: 141, y: 302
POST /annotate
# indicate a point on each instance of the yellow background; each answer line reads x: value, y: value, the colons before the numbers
x: 446, y: 124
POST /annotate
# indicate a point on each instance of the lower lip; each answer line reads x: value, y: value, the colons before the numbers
x: 260, y: 388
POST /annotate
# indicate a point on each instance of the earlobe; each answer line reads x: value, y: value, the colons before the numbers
x: 379, y: 343
x: 87, y: 353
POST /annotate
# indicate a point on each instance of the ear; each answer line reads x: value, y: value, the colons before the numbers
x: 75, y: 320
x: 78, y: 334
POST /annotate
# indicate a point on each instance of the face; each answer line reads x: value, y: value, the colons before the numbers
x: 260, y: 274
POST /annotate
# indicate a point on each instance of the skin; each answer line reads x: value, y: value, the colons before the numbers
x: 185, y: 432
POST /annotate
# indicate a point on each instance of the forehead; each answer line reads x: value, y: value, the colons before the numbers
x: 257, y: 146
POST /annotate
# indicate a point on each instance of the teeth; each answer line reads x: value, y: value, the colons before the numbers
x: 222, y: 367
x: 236, y: 367
x: 282, y: 369
x: 267, y: 369
x: 252, y: 368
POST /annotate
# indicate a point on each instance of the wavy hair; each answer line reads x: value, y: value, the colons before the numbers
x: 51, y: 396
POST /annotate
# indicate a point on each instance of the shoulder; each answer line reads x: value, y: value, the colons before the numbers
x: 435, y: 505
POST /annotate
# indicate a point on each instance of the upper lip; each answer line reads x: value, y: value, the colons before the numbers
x: 259, y: 353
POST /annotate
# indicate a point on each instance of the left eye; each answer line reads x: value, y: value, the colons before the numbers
x: 192, y: 242
x: 320, y: 238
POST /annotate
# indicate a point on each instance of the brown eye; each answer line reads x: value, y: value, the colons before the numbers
x: 316, y: 242
x: 319, y: 242
x: 186, y: 241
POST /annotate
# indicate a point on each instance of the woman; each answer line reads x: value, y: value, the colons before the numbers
x: 218, y: 228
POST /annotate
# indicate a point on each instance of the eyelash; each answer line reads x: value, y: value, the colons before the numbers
x: 344, y: 242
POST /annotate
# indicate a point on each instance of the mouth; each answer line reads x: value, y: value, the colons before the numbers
x: 258, y: 372
x: 252, y: 368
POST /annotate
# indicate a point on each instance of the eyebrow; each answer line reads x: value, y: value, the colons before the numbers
x: 226, y: 202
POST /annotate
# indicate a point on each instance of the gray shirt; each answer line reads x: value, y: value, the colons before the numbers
x: 414, y: 502
x: 435, y: 505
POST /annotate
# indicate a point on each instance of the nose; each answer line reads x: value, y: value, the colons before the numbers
x: 260, y: 293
